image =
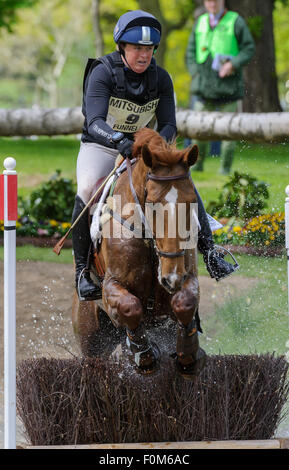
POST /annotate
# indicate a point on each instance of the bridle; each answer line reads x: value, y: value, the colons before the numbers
x: 153, y: 177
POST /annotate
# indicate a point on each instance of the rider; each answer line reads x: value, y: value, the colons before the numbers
x: 123, y: 92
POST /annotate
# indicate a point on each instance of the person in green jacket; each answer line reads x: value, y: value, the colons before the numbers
x: 220, y: 45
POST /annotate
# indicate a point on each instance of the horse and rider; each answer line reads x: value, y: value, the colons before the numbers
x: 124, y: 94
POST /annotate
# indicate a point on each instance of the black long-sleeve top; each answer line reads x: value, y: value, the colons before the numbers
x: 99, y: 91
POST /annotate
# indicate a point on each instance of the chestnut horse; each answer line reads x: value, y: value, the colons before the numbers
x: 147, y: 273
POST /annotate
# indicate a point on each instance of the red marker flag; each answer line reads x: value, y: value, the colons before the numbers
x: 1, y: 197
x: 10, y: 196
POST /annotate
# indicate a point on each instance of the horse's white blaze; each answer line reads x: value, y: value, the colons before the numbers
x: 160, y: 271
x: 172, y: 197
x: 174, y: 277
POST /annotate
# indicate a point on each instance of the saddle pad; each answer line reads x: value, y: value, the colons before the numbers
x: 103, y: 205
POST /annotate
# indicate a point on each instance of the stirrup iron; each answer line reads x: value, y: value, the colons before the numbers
x: 96, y: 296
x: 221, y: 249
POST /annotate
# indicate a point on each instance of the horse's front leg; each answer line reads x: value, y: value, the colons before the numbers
x: 191, y: 358
x: 125, y: 309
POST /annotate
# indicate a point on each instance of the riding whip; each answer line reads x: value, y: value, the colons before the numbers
x: 59, y: 244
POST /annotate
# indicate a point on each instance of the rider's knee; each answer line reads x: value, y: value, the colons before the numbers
x: 85, y: 188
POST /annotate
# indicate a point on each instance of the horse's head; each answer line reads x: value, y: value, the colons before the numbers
x: 169, y: 203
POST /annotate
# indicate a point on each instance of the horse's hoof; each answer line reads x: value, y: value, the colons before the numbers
x: 192, y: 370
x: 146, y: 362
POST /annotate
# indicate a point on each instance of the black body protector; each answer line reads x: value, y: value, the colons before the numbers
x: 124, y: 114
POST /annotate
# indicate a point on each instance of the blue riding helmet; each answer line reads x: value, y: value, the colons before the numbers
x: 138, y: 27
x: 144, y: 35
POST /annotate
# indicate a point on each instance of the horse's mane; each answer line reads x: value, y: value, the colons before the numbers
x: 165, y: 154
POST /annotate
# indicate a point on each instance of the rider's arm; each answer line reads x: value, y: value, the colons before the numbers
x: 97, y: 97
x: 166, y: 112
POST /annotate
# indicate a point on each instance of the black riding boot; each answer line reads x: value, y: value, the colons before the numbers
x: 81, y: 241
x: 217, y: 266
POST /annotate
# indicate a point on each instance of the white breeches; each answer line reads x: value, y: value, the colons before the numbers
x: 94, y: 163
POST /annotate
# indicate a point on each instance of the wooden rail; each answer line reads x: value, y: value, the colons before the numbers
x: 254, y: 127
x: 281, y: 443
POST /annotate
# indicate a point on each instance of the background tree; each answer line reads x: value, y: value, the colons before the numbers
x: 45, y: 39
x: 43, y: 59
x: 281, y: 34
x: 260, y: 75
x: 9, y: 9
x: 172, y: 17
x: 99, y: 46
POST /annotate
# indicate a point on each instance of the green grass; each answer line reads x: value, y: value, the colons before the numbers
x: 254, y: 322
x: 33, y: 253
x: 268, y: 163
x: 38, y: 159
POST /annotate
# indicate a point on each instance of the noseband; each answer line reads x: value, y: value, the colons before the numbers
x: 153, y: 177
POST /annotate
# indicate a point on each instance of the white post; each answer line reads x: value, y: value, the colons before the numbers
x: 287, y: 232
x: 9, y: 193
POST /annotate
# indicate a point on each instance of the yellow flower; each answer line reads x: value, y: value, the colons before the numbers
x: 237, y: 229
x: 267, y: 242
x: 54, y: 223
x: 65, y: 225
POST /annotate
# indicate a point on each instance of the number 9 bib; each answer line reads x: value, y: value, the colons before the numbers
x: 127, y: 116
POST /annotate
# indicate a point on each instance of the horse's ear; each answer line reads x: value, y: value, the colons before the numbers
x: 146, y: 155
x: 191, y: 155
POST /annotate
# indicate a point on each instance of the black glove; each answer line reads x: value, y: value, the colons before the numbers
x: 125, y: 147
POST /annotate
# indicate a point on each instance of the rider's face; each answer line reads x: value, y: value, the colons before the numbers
x: 138, y: 57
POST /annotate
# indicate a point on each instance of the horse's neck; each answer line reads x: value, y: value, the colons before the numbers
x: 139, y: 172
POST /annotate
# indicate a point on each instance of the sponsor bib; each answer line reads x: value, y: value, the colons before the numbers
x: 127, y: 116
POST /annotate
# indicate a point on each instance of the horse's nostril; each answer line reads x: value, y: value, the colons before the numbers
x: 171, y: 283
x: 165, y: 283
